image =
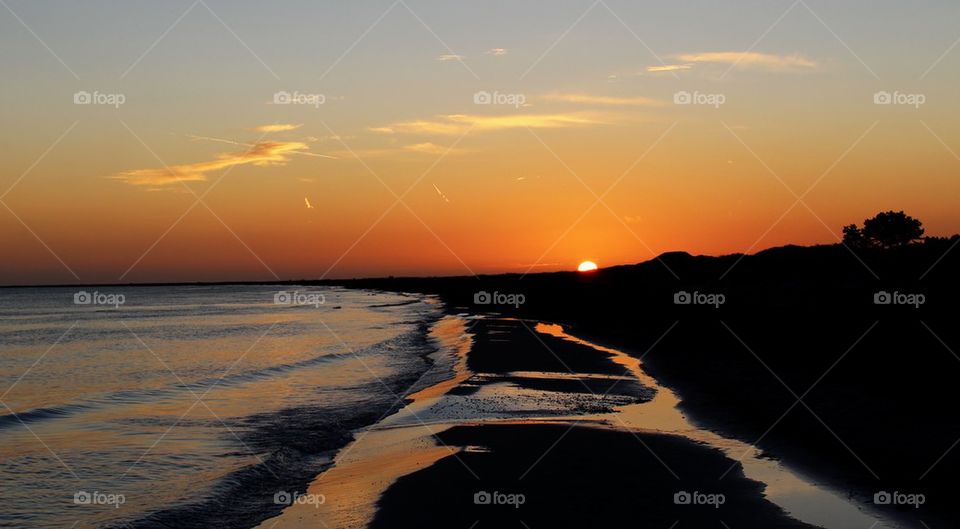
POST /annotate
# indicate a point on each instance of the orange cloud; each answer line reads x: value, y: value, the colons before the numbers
x: 417, y: 148
x: 669, y: 68
x: 279, y: 127
x: 263, y: 153
x: 460, y: 123
x: 431, y: 148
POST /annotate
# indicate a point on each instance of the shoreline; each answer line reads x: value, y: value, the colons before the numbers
x: 430, y: 443
x: 378, y: 454
x: 296, y: 445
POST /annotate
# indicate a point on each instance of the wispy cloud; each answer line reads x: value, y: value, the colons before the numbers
x: 450, y: 57
x: 431, y: 148
x: 460, y: 123
x: 415, y: 148
x: 277, y: 127
x: 605, y: 100
x: 263, y: 153
x: 497, y: 52
x: 669, y: 68
x: 242, y: 144
x: 751, y: 60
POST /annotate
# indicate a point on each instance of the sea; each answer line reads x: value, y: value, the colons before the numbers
x: 195, y: 406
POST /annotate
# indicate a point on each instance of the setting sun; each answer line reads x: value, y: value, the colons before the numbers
x: 587, y: 266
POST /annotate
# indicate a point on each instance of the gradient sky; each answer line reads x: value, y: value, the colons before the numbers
x: 94, y: 193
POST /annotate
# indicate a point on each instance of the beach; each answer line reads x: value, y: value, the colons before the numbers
x: 543, y: 428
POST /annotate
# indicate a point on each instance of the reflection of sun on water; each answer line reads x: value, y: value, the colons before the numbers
x: 587, y: 266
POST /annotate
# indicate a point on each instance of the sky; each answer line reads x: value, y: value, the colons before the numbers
x: 214, y: 140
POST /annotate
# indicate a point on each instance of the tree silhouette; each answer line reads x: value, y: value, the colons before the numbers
x: 888, y: 229
x: 853, y: 237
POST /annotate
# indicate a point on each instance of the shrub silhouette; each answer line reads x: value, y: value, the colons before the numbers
x: 887, y: 229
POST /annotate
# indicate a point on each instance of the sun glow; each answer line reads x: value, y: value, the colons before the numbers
x: 587, y: 266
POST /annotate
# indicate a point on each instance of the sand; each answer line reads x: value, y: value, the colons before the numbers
x: 529, y: 413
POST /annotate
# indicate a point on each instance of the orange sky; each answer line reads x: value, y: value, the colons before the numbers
x: 208, y: 171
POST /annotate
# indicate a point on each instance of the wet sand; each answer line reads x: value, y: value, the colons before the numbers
x: 599, y: 443
x: 592, y: 477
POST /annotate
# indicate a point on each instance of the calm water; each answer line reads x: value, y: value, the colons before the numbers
x: 188, y: 401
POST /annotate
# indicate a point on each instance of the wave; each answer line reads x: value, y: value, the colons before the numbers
x: 285, y: 414
x: 297, y: 444
x: 39, y: 414
x: 200, y: 387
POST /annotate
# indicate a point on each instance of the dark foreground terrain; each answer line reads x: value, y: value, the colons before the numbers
x: 802, y: 358
x: 592, y: 478
x: 568, y: 473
